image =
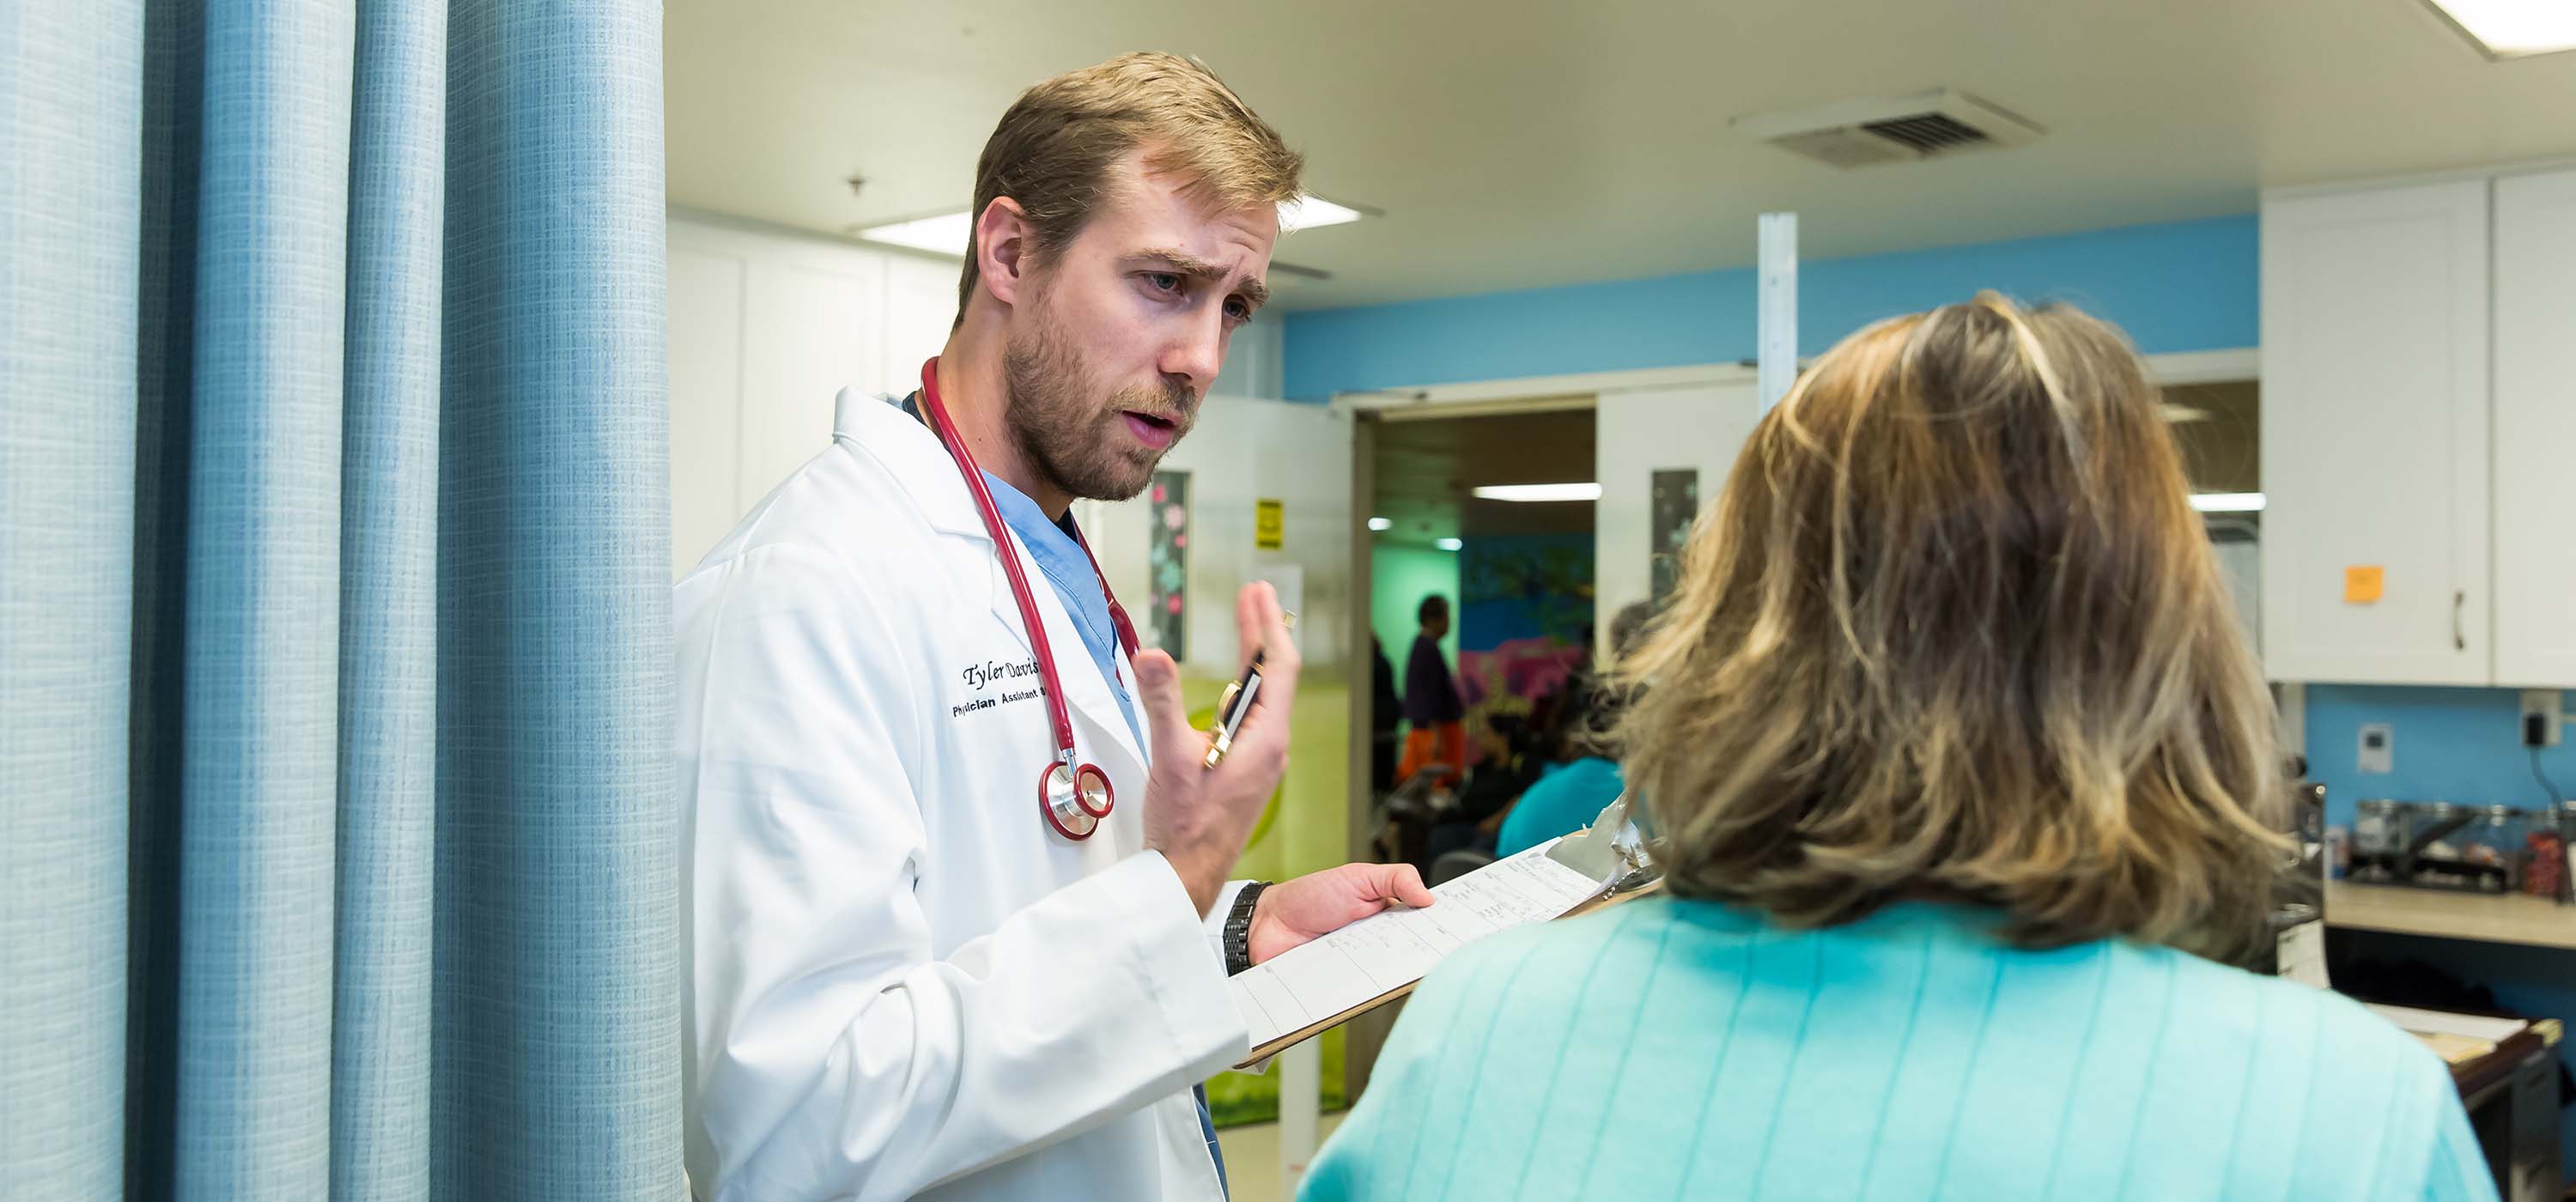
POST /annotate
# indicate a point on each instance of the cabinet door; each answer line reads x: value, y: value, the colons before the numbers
x: 2535, y: 429
x: 2375, y: 459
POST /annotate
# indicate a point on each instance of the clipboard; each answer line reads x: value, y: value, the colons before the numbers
x: 1313, y: 988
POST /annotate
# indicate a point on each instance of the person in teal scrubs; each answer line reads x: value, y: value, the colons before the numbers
x: 1584, y: 778
x: 1567, y: 797
x: 1966, y: 782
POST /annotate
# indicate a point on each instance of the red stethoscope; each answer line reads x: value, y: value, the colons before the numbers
x: 1073, y: 795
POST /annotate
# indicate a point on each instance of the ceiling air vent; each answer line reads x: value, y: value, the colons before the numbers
x: 1891, y: 129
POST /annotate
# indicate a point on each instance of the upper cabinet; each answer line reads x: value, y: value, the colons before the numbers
x: 2375, y: 435
x: 2535, y: 429
x: 2410, y: 428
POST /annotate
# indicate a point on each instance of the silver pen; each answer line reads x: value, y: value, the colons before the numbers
x: 1236, y: 704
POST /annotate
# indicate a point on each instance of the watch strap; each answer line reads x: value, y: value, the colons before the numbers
x: 1238, y: 928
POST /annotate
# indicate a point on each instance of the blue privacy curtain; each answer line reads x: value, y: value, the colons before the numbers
x: 336, y: 832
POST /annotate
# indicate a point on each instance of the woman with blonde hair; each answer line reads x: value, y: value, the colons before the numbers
x: 1965, y: 780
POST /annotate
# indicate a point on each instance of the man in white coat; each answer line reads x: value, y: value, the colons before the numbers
x: 904, y: 979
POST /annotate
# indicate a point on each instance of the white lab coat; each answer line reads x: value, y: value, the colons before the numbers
x: 901, y: 983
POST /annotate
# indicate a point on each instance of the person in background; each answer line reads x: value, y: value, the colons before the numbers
x: 1965, y: 775
x: 1515, y: 750
x: 1431, y: 705
x: 1583, y: 777
x: 1386, y: 718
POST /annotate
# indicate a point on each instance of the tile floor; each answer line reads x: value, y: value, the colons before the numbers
x: 1252, y: 1159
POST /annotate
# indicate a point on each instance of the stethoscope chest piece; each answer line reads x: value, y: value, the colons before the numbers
x: 1075, y: 798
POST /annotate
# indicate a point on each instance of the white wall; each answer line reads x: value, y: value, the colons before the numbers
x: 767, y: 327
x: 1255, y: 361
x: 1639, y: 432
x: 2241, y: 565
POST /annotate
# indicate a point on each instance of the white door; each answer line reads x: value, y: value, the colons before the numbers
x: 1696, y: 428
x: 2535, y: 429
x: 2375, y: 436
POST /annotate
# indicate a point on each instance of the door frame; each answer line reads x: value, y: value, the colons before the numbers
x: 1534, y: 394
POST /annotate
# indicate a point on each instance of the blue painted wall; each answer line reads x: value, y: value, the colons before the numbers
x: 2178, y: 286
x: 2456, y: 745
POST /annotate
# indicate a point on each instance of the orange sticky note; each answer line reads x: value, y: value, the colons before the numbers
x: 2361, y: 584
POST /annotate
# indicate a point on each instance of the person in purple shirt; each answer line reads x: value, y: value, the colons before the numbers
x: 1431, y: 706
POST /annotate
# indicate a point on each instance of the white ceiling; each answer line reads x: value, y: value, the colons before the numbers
x: 1516, y: 144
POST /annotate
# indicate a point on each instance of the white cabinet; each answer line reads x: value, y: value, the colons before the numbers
x: 767, y: 328
x: 2375, y: 436
x: 2535, y: 429
x: 2419, y: 412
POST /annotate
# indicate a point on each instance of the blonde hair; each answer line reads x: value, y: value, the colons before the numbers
x: 1953, y: 631
x: 1055, y: 147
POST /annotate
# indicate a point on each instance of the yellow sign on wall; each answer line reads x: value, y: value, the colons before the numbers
x: 1269, y: 525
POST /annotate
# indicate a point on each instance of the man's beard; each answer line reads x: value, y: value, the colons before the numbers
x: 1079, y: 444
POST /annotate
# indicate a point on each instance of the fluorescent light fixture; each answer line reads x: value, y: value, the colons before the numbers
x: 947, y: 233
x: 2512, y: 28
x: 1584, y: 491
x: 1448, y: 544
x: 1381, y: 523
x: 1312, y: 212
x: 2227, y: 502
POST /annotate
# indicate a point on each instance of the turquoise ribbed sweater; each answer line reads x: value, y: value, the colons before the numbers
x: 1675, y: 1049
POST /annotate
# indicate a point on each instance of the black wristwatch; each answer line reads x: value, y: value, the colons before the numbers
x: 1238, y: 928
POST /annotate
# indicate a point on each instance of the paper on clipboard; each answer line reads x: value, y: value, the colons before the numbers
x: 1373, y: 961
x: 2442, y: 1022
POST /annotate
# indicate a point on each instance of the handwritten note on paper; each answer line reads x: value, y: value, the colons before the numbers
x: 1386, y: 952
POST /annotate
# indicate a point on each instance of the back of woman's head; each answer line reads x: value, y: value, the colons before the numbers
x: 1953, y: 631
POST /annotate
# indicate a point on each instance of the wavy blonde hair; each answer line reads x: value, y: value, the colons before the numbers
x: 1953, y: 631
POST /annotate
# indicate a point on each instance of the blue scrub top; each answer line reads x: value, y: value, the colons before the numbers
x: 1058, y: 551
x: 1566, y: 799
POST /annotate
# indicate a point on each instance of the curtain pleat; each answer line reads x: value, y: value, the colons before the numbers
x: 557, y: 1027
x: 174, y: 33
x: 70, y: 101
x: 380, y: 1081
x: 260, y: 747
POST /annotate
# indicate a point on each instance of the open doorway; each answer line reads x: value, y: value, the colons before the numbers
x: 1494, y: 515
x: 2219, y: 428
